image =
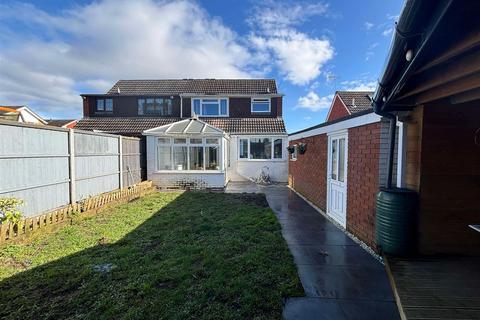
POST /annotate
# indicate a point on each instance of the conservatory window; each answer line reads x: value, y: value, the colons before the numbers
x: 181, y: 154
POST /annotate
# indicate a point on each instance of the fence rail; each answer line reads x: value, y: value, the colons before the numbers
x: 49, y: 167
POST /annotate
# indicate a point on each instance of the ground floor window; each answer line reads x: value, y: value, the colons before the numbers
x: 182, y: 154
x: 261, y: 148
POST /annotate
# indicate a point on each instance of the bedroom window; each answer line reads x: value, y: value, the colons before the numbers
x: 105, y: 105
x: 260, y: 105
x: 210, y: 107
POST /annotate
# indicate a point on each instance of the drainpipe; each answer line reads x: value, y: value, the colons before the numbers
x: 181, y: 106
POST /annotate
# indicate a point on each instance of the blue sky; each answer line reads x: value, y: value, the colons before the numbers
x: 50, y: 51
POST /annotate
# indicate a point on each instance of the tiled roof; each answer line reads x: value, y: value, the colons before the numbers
x: 194, y: 86
x: 59, y: 122
x: 360, y: 98
x: 135, y: 126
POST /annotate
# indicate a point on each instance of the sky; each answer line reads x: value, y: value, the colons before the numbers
x: 53, y: 50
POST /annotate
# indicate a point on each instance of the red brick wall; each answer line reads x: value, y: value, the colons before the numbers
x: 363, y: 181
x: 307, y: 175
x: 338, y: 110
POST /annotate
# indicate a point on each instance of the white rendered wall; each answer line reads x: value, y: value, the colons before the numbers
x: 244, y: 169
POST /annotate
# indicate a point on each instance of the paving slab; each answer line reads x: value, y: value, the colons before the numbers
x: 340, y: 279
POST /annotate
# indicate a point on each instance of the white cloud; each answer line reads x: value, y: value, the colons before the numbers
x: 359, y: 85
x: 370, y: 51
x: 387, y: 32
x: 368, y: 25
x: 278, y: 15
x: 298, y: 56
x: 92, y: 46
x: 314, y: 102
x: 307, y: 118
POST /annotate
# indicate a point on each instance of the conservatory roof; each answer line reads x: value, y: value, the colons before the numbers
x: 191, y: 126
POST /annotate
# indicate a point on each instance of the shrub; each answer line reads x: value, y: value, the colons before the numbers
x: 9, y: 211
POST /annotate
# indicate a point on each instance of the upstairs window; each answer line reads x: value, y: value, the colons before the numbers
x: 155, y: 106
x: 210, y: 107
x: 105, y: 105
x: 260, y: 105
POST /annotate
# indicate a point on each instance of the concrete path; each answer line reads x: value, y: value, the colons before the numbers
x: 341, y: 280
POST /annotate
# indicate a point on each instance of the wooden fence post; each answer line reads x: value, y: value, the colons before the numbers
x: 120, y: 160
x: 71, y: 152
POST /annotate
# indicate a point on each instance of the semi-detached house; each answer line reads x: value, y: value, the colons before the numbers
x: 197, y: 133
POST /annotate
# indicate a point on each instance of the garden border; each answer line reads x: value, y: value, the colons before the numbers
x: 90, y: 206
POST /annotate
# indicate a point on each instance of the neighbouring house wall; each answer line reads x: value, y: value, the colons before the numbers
x: 363, y: 180
x: 242, y: 170
x: 182, y: 180
x: 338, y: 110
x: 308, y: 174
x: 450, y: 179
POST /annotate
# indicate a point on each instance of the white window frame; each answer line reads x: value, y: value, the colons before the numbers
x: 252, y: 100
x: 204, y: 144
x: 272, y: 140
x: 294, y: 154
x: 210, y: 98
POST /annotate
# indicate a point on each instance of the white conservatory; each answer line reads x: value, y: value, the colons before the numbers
x: 192, y: 154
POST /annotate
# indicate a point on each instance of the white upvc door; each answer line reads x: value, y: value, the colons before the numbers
x: 337, y: 177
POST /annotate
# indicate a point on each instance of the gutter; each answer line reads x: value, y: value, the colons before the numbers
x: 411, y: 38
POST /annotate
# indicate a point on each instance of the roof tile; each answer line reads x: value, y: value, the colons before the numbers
x: 194, y: 86
x: 135, y: 126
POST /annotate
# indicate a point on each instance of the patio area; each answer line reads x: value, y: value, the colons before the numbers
x: 341, y: 280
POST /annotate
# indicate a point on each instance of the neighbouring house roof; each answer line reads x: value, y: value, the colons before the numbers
x: 194, y: 86
x: 60, y: 122
x: 20, y: 113
x: 356, y: 101
x: 135, y: 126
x: 187, y: 126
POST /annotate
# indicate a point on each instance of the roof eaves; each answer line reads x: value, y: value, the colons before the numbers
x: 324, y: 124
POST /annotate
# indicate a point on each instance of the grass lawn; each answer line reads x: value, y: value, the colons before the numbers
x: 165, y: 256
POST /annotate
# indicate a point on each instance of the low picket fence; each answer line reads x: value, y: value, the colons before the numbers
x: 10, y: 232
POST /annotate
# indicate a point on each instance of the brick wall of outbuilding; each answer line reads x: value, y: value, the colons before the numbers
x: 363, y: 180
x: 307, y: 175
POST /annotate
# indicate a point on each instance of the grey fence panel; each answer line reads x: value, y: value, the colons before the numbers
x: 131, y: 167
x: 97, y: 166
x: 34, y: 166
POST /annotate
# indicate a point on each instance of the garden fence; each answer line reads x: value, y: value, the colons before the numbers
x: 48, y: 167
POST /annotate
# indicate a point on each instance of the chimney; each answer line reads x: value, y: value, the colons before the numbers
x: 353, y: 102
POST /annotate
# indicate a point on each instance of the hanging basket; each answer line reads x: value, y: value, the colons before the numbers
x: 291, y: 149
x: 302, y: 148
